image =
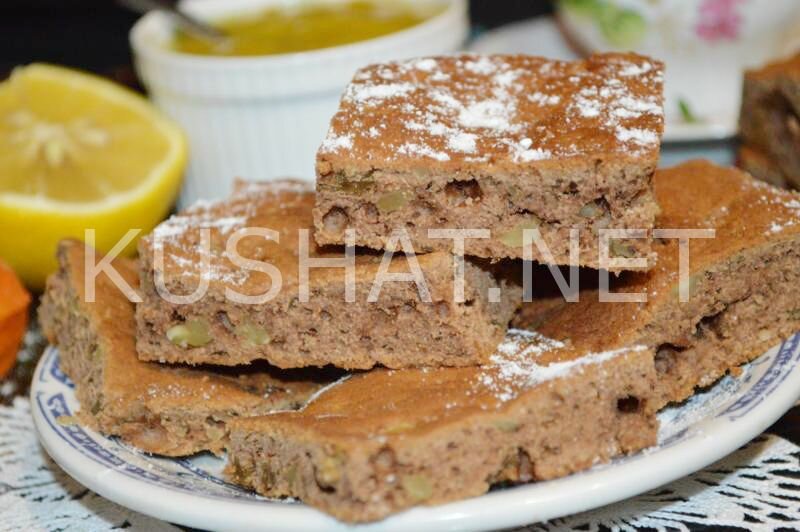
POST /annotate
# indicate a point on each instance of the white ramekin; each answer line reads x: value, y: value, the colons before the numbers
x: 264, y: 117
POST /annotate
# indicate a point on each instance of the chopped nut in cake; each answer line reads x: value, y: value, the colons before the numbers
x: 503, y: 143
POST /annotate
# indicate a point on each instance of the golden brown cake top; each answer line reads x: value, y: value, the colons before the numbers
x: 128, y: 382
x: 283, y: 206
x: 382, y: 403
x: 789, y: 66
x: 745, y: 214
x: 498, y: 110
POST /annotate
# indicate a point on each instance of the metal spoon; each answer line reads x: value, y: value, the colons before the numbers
x: 187, y: 23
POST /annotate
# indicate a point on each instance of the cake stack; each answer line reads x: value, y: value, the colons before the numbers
x: 371, y: 366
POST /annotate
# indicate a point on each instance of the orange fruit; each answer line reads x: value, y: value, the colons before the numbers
x: 14, y: 301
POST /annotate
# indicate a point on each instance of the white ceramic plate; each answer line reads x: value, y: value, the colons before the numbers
x: 541, y: 36
x: 192, y: 492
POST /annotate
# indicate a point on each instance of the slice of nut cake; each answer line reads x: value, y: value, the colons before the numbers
x: 398, y: 323
x: 743, y: 285
x: 167, y: 410
x: 503, y: 143
x: 769, y: 122
x: 383, y: 441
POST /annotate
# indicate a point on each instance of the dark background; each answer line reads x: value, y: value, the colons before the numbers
x: 93, y: 34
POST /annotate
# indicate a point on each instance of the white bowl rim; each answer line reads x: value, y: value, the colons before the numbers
x: 143, y: 43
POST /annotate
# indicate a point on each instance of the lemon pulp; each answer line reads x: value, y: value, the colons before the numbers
x: 79, y: 152
x: 308, y: 26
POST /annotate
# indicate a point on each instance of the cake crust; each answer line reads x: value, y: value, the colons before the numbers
x: 168, y: 410
x: 744, y: 284
x: 502, y: 143
x: 539, y: 409
x: 398, y: 329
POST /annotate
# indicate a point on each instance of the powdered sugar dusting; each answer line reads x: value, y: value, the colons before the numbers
x: 524, y: 153
x: 463, y: 142
x: 192, y: 244
x: 486, y: 114
x: 482, y: 65
x: 372, y: 94
x: 196, y: 216
x: 642, y: 137
x: 636, y: 70
x: 775, y: 227
x: 334, y: 142
x: 587, y: 104
x: 227, y: 224
x: 411, y: 148
x: 516, y: 365
x: 544, y: 99
x: 533, y: 155
x: 425, y: 64
x: 789, y: 204
x: 170, y: 236
x: 244, y: 189
x: 474, y: 108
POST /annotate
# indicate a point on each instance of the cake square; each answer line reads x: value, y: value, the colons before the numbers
x: 167, y: 410
x: 401, y: 326
x: 581, y: 388
x: 769, y: 122
x: 499, y: 142
x: 743, y: 285
x: 383, y: 441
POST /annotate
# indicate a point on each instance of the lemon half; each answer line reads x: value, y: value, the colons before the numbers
x: 79, y: 152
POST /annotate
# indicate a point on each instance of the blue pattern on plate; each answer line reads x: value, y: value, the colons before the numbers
x: 781, y: 365
x: 54, y: 370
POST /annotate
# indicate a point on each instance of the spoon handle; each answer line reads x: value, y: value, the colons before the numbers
x: 188, y: 23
